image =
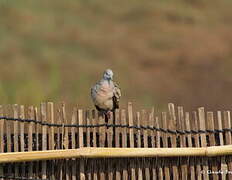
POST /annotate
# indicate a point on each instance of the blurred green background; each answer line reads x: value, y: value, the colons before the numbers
x: 161, y: 51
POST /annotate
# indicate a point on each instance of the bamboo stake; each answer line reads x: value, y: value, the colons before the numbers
x: 81, y: 143
x: 51, y: 129
x: 102, y: 138
x: 190, y: 144
x: 158, y: 134
x: 44, y: 138
x: 172, y: 124
x: 1, y: 138
x: 2, y: 121
x: 22, y: 139
x: 124, y: 143
x: 117, y: 144
x: 181, y: 126
x: 64, y: 118
x: 140, y: 172
x: 51, y: 142
x: 16, y: 136
x: 8, y: 132
x: 210, y: 125
x: 205, y: 165
x: 88, y: 139
x: 95, y: 130
x: 109, y: 144
x: 221, y: 143
x: 145, y: 142
x: 228, y: 139
x: 30, y: 139
x: 131, y: 136
x: 165, y: 144
x: 37, y: 131
x: 60, y: 135
x: 152, y: 134
x: 73, y: 134
x: 195, y: 126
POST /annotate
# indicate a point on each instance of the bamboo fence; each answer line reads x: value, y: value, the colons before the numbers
x: 80, y: 145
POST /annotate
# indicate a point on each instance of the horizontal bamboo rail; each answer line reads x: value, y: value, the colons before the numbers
x: 114, y: 153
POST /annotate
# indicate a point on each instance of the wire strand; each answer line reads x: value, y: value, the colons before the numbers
x: 152, y: 128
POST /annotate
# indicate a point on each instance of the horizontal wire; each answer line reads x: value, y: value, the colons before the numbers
x: 152, y: 128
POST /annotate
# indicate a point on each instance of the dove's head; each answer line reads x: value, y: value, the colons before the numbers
x: 108, y: 74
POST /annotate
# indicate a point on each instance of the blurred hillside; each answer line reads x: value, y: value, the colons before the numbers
x: 161, y: 51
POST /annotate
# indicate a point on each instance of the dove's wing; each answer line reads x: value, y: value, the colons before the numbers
x: 94, y: 92
x: 102, y: 95
x: 117, y: 96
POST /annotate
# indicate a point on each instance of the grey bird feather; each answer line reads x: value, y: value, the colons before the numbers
x: 106, y: 94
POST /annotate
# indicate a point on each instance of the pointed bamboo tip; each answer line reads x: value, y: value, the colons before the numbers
x: 171, y: 104
x: 201, y: 109
x: 50, y: 103
x: 63, y: 104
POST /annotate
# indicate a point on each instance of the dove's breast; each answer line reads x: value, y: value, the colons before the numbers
x: 103, y: 96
